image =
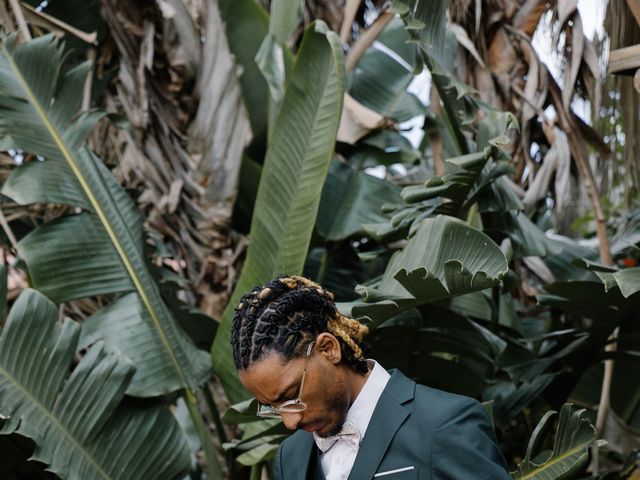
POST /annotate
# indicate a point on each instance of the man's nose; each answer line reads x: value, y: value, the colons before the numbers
x: 291, y: 420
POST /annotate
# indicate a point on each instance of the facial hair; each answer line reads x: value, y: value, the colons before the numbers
x: 337, y: 403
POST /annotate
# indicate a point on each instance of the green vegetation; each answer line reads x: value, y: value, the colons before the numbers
x: 205, y: 147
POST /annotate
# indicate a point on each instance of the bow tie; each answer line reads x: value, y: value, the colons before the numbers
x: 349, y: 433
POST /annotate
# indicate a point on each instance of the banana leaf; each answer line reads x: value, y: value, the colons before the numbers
x: 295, y: 168
x: 350, y: 199
x: 260, y: 437
x: 244, y: 38
x: 285, y: 16
x: 469, y: 180
x: 628, y: 280
x: 445, y: 258
x: 79, y: 421
x: 573, y: 437
x: 425, y: 21
x: 99, y: 250
x: 381, y: 77
x: 273, y: 57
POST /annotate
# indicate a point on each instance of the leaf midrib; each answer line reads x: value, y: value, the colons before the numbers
x: 54, y: 420
x: 98, y: 210
x: 552, y: 462
x: 281, y: 262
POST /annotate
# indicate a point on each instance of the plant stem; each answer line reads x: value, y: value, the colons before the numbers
x: 217, y: 421
x: 452, y: 122
x: 256, y: 470
x: 24, y: 33
x: 495, y: 308
x: 322, y: 269
x: 214, y: 470
x: 366, y: 40
x: 215, y: 414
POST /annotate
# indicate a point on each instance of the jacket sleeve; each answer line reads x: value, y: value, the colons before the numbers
x: 465, y: 446
x: 277, y: 465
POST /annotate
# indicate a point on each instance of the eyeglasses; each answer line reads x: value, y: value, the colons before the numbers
x: 290, y: 406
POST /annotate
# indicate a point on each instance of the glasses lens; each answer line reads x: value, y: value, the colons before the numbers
x: 266, y: 411
x: 293, y: 408
x: 269, y: 414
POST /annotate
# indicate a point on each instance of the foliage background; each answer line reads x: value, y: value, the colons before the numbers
x: 494, y: 256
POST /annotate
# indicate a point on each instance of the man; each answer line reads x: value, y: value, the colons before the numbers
x: 304, y: 362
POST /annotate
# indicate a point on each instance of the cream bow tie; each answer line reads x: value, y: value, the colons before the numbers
x: 349, y: 433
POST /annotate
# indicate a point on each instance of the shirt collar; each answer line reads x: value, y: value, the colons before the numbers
x: 362, y: 408
x: 365, y: 403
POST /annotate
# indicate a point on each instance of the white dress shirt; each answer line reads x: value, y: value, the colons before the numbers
x: 338, y: 460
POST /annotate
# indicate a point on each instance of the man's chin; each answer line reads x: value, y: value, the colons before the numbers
x: 330, y: 429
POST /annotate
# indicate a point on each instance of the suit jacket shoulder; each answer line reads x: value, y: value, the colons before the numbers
x: 437, y: 406
x: 294, y: 456
x: 463, y: 442
x: 422, y: 432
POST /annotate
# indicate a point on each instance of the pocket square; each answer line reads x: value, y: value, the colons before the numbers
x: 394, y: 471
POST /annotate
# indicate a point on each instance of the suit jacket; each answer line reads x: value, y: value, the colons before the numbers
x: 441, y: 435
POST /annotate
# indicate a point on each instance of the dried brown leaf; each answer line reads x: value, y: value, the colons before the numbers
x: 537, y: 266
x: 53, y: 24
x: 528, y: 16
x: 350, y: 11
x: 535, y: 94
x: 463, y: 39
x: 502, y: 55
x: 566, y: 8
x: 220, y: 130
x: 357, y: 121
x: 573, y: 65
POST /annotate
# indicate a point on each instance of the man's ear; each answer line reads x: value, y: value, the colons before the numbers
x: 329, y: 347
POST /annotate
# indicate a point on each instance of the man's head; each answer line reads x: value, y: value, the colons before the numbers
x: 290, y: 328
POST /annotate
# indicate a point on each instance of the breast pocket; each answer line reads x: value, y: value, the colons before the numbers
x: 403, y: 473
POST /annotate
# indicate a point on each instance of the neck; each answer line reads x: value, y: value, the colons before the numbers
x: 356, y: 382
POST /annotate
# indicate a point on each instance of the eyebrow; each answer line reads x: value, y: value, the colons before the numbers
x: 283, y: 393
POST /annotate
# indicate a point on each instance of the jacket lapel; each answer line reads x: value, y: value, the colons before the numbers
x: 319, y: 473
x: 388, y: 416
x: 301, y: 457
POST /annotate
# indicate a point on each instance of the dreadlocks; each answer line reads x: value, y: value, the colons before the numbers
x: 285, y: 315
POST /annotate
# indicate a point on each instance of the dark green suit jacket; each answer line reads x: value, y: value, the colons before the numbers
x: 441, y: 435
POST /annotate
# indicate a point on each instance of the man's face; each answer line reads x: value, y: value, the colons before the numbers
x: 273, y: 380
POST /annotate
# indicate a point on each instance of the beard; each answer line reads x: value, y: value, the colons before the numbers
x: 339, y: 404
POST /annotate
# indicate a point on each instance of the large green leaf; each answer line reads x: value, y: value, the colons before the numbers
x: 285, y: 16
x: 527, y: 239
x: 295, y: 168
x: 445, y: 258
x: 628, y: 280
x: 384, y: 147
x: 246, y: 24
x: 380, y: 79
x: 574, y: 435
x: 510, y: 398
x: 625, y: 390
x: 425, y: 22
x: 350, y: 199
x: 468, y: 180
x: 260, y: 437
x: 273, y: 56
x: 338, y: 268
x: 80, y: 424
x: 100, y: 250
x: 449, y: 352
x: 607, y: 305
x: 589, y: 299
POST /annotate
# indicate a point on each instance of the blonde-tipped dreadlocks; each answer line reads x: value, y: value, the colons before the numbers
x: 287, y: 313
